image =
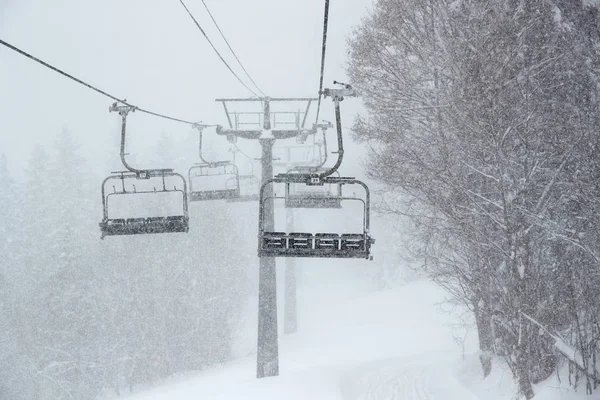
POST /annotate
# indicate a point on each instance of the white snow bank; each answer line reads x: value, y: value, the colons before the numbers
x: 499, y: 385
x: 356, y: 344
x: 342, y: 327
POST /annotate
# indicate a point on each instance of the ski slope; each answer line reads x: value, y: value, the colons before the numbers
x: 354, y: 343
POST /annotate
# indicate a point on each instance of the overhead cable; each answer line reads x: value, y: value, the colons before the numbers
x: 215, y: 49
x: 324, y: 45
x: 45, y: 64
x: 232, y: 52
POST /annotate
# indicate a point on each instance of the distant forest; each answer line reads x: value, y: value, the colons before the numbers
x: 83, y: 317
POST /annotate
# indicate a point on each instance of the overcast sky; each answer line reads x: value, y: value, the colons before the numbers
x: 151, y: 53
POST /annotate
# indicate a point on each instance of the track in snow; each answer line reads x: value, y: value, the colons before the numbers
x: 405, y: 379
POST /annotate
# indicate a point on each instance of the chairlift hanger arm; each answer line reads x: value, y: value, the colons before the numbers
x: 211, y: 164
x: 123, y: 111
x: 337, y: 96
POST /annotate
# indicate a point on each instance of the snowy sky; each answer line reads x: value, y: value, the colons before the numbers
x: 151, y: 53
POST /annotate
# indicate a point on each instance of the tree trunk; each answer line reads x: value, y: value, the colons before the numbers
x: 523, y: 368
x: 486, y: 338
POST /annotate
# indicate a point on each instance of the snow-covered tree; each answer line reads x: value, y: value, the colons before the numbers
x: 477, y: 114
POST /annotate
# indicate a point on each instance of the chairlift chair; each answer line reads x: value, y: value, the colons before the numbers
x: 321, y: 244
x: 142, y: 225
x: 224, y: 172
x: 201, y: 175
x: 178, y: 222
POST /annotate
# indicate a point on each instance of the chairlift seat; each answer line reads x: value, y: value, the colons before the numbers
x: 175, y: 223
x: 276, y: 240
x: 320, y: 245
x: 300, y: 240
x: 327, y: 241
x: 117, y: 226
x: 134, y: 226
x: 352, y: 242
x: 312, y: 200
x: 224, y: 194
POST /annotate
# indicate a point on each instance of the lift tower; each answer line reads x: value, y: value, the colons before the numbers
x: 265, y: 127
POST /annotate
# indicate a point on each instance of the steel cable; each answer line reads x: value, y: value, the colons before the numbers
x: 102, y: 92
x: 232, y: 52
x: 215, y: 49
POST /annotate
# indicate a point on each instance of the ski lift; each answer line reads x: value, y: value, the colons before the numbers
x: 175, y: 221
x: 322, y: 244
x: 273, y: 243
x: 213, y: 180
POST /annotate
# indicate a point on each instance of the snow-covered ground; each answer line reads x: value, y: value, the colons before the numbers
x: 356, y: 343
